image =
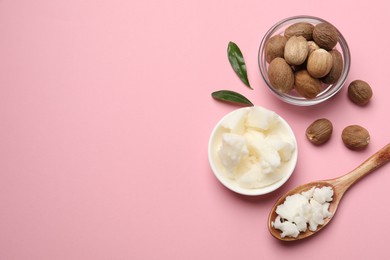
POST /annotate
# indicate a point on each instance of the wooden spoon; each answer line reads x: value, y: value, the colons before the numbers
x: 340, y: 185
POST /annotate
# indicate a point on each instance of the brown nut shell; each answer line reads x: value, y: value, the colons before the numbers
x: 312, y: 46
x: 320, y: 131
x: 319, y: 63
x: 337, y: 68
x: 296, y: 50
x: 300, y: 29
x: 325, y: 35
x: 355, y: 137
x: 275, y: 47
x: 359, y: 92
x: 306, y: 85
x: 280, y: 75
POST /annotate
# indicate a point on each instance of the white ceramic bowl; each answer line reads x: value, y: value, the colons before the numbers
x: 217, y: 167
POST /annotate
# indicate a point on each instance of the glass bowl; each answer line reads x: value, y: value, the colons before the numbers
x: 292, y: 97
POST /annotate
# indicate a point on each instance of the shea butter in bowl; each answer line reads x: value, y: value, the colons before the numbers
x: 252, y: 151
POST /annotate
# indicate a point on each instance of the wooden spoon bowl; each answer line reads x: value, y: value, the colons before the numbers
x: 339, y: 185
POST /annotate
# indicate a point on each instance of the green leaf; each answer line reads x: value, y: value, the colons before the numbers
x: 231, y: 97
x: 237, y: 61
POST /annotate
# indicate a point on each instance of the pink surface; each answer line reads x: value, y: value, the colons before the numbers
x: 105, y: 115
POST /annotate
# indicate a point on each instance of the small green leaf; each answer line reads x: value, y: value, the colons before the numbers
x: 237, y: 61
x: 231, y: 96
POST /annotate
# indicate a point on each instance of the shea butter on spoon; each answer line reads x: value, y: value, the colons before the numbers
x: 336, y: 190
x: 252, y: 150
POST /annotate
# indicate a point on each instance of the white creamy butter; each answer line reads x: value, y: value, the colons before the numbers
x: 254, y: 147
x: 232, y: 151
x: 236, y: 122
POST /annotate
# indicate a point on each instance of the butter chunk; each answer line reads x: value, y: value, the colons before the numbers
x: 252, y: 178
x: 261, y: 118
x: 233, y: 150
x: 284, y: 147
x: 324, y: 194
x: 269, y: 157
x: 288, y: 229
x: 236, y: 122
x: 291, y: 207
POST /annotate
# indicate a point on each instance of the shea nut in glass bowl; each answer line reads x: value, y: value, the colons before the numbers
x: 252, y: 151
x: 304, y: 60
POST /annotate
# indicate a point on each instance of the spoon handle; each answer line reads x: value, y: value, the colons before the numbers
x: 374, y: 162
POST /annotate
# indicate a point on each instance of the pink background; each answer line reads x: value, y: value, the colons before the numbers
x: 105, y: 115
